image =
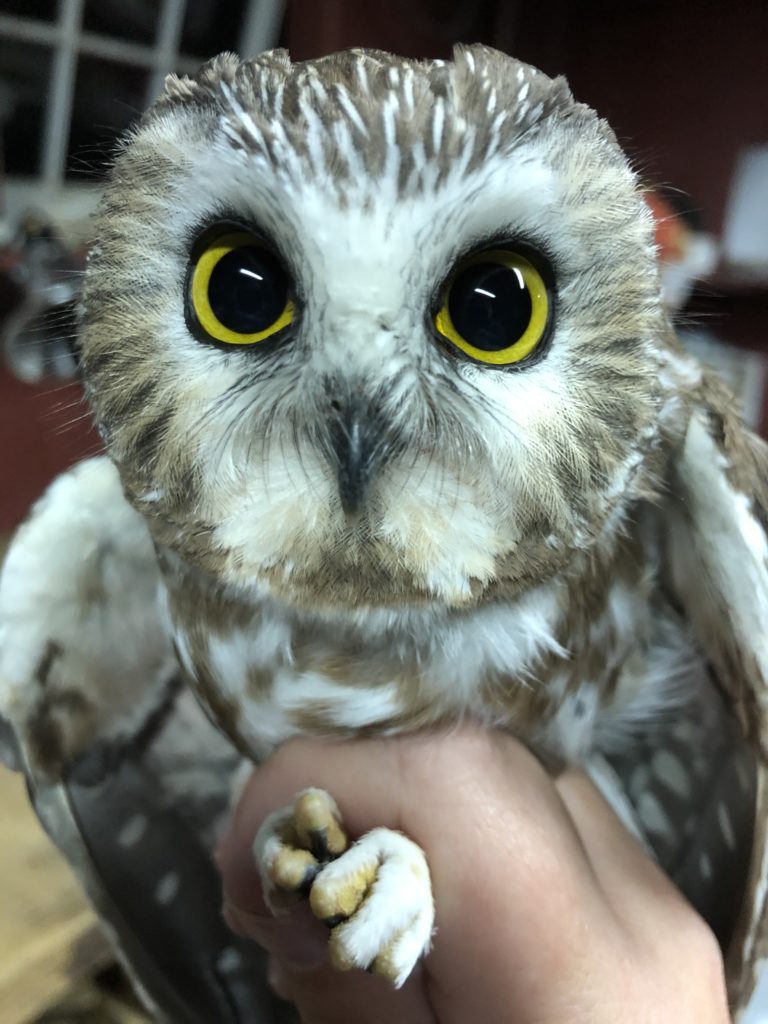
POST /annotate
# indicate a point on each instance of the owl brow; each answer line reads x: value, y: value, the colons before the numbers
x: 531, y: 247
x: 223, y: 220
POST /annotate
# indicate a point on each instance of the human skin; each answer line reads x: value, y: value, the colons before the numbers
x: 548, y: 911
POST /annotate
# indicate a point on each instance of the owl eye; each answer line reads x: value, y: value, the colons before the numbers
x: 495, y: 307
x: 238, y: 292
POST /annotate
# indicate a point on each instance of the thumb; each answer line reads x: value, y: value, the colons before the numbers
x: 324, y: 996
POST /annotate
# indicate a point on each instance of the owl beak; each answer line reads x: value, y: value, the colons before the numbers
x: 355, y: 442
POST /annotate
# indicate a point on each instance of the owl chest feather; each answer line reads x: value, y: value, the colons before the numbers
x: 565, y: 666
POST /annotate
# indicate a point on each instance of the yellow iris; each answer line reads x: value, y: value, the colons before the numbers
x: 239, y: 292
x: 518, y: 308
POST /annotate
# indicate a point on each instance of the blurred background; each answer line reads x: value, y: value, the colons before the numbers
x: 684, y: 85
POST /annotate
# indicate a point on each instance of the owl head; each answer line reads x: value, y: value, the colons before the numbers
x: 372, y: 331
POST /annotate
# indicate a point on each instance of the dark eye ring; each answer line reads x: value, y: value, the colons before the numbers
x: 238, y: 292
x: 496, y: 307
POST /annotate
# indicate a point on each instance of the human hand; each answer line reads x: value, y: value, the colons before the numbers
x: 548, y: 911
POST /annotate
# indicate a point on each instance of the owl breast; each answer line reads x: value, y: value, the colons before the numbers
x: 563, y: 672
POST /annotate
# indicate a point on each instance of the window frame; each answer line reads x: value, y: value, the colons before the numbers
x: 67, y: 41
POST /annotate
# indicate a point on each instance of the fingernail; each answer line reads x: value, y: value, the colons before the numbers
x: 297, y: 938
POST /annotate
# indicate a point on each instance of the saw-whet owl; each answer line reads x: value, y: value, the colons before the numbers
x: 398, y: 433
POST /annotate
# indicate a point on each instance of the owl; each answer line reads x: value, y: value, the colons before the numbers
x: 399, y: 434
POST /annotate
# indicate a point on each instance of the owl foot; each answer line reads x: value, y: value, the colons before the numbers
x: 375, y: 895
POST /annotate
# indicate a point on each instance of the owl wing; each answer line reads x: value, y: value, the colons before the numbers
x: 717, y: 565
x: 127, y: 775
x: 86, y: 659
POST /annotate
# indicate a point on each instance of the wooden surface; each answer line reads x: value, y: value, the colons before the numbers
x: 49, y: 939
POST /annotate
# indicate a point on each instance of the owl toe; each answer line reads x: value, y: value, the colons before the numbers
x: 377, y: 898
x: 318, y: 824
x: 293, y: 870
x: 294, y: 843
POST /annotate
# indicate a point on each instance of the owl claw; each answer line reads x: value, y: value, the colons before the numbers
x: 375, y: 896
x: 318, y: 825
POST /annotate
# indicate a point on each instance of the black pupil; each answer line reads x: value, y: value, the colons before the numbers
x: 490, y: 306
x: 248, y: 289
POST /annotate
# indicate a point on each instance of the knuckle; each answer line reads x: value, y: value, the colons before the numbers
x: 697, y: 947
x: 705, y: 949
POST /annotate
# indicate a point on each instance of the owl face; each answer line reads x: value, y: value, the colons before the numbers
x: 368, y: 331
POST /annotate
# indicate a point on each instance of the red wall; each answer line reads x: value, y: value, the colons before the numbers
x: 44, y: 429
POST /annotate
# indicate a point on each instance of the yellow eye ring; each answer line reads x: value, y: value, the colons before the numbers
x: 238, y: 292
x: 495, y: 307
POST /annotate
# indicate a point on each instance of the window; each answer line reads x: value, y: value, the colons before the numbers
x: 74, y: 75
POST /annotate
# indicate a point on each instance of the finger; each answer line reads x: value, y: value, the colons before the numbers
x: 324, y: 996
x: 634, y: 884
x: 297, y: 939
x: 518, y: 893
x: 667, y: 938
x: 297, y: 943
x: 513, y: 881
